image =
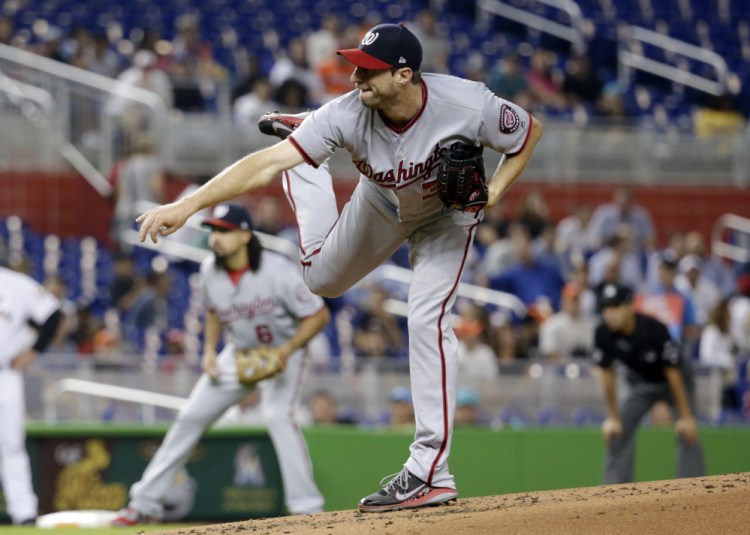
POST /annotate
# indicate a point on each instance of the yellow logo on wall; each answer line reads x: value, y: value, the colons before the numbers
x: 80, y: 485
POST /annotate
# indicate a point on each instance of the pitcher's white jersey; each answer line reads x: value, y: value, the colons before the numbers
x: 265, y: 306
x: 403, y: 161
x: 21, y: 299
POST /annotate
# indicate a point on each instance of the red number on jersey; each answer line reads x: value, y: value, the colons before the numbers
x: 264, y: 333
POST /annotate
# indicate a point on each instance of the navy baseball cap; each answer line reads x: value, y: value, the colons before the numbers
x: 614, y: 295
x: 386, y: 46
x: 229, y: 217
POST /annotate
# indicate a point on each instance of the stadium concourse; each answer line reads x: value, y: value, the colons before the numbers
x: 698, y: 506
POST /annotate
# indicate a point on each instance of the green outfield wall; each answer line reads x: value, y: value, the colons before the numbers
x: 234, y: 474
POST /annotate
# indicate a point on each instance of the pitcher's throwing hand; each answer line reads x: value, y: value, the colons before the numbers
x: 162, y: 220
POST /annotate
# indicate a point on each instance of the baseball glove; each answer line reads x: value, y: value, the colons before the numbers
x: 461, y: 179
x: 256, y: 364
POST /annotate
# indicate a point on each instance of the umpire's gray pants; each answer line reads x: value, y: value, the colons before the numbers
x: 641, y: 396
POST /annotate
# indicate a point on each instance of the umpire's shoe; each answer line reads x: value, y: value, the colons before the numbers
x: 280, y: 124
x: 130, y: 516
x: 405, y: 491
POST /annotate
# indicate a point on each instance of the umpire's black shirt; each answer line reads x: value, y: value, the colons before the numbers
x: 645, y: 352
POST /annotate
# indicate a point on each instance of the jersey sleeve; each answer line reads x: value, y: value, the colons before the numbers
x: 602, y: 354
x: 318, y: 135
x: 40, y: 303
x: 505, y: 126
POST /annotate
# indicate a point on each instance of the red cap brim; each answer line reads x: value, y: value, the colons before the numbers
x: 363, y: 59
x: 213, y: 222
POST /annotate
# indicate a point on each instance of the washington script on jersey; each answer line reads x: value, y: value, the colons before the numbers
x: 405, y: 174
x: 258, y: 307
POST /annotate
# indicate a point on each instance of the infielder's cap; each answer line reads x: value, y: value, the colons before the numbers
x: 614, y: 295
x: 229, y: 217
x: 386, y: 46
x: 669, y: 259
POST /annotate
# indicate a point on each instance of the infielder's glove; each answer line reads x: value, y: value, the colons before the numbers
x: 259, y: 363
x: 461, y: 179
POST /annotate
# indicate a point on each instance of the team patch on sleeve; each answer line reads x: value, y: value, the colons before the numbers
x: 509, y: 120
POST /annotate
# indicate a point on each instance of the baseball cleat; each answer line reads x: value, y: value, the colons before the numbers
x: 405, y: 491
x: 279, y: 124
x: 130, y: 516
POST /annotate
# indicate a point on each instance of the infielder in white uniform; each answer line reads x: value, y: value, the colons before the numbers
x: 395, y: 125
x: 23, y: 301
x: 256, y: 298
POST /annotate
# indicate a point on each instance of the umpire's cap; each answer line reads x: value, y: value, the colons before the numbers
x: 229, y: 217
x: 386, y: 46
x: 613, y: 295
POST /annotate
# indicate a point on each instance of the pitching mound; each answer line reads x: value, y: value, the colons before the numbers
x: 706, y: 505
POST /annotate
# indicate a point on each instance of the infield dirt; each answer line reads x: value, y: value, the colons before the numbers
x: 715, y: 505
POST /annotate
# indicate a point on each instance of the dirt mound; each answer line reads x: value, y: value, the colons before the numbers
x: 706, y: 505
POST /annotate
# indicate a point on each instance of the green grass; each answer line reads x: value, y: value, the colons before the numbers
x: 17, y: 530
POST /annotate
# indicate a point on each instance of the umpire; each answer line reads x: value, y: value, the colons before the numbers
x: 655, y: 370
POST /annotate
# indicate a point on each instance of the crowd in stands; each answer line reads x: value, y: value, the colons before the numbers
x: 554, y: 268
x: 297, y: 70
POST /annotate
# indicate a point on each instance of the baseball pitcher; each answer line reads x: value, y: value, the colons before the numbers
x: 416, y: 140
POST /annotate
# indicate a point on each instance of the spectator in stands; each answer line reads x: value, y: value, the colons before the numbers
x: 713, y: 267
x: 62, y: 341
x: 335, y: 71
x: 435, y: 46
x: 292, y: 65
x: 720, y: 121
x: 87, y: 325
x: 248, y: 70
x: 543, y: 85
x: 400, y: 411
x: 719, y: 351
x: 581, y: 84
x: 494, y: 236
x: 703, y: 292
x: 377, y: 332
x: 670, y: 306
x: 739, y: 310
x: 140, y: 179
x: 533, y: 213
x: 609, y: 216
x: 325, y: 410
x: 570, y: 236
x: 49, y: 43
x: 567, y: 334
x: 675, y: 247
x: 249, y: 107
x: 476, y: 359
x: 322, y: 44
x: 192, y: 66
x: 104, y: 60
x: 579, y: 275
x: 150, y: 308
x: 507, y: 79
x: 7, y: 30
x: 621, y: 253
x: 532, y: 281
x: 124, y: 286
x: 293, y: 95
x: 131, y: 117
x: 468, y: 408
